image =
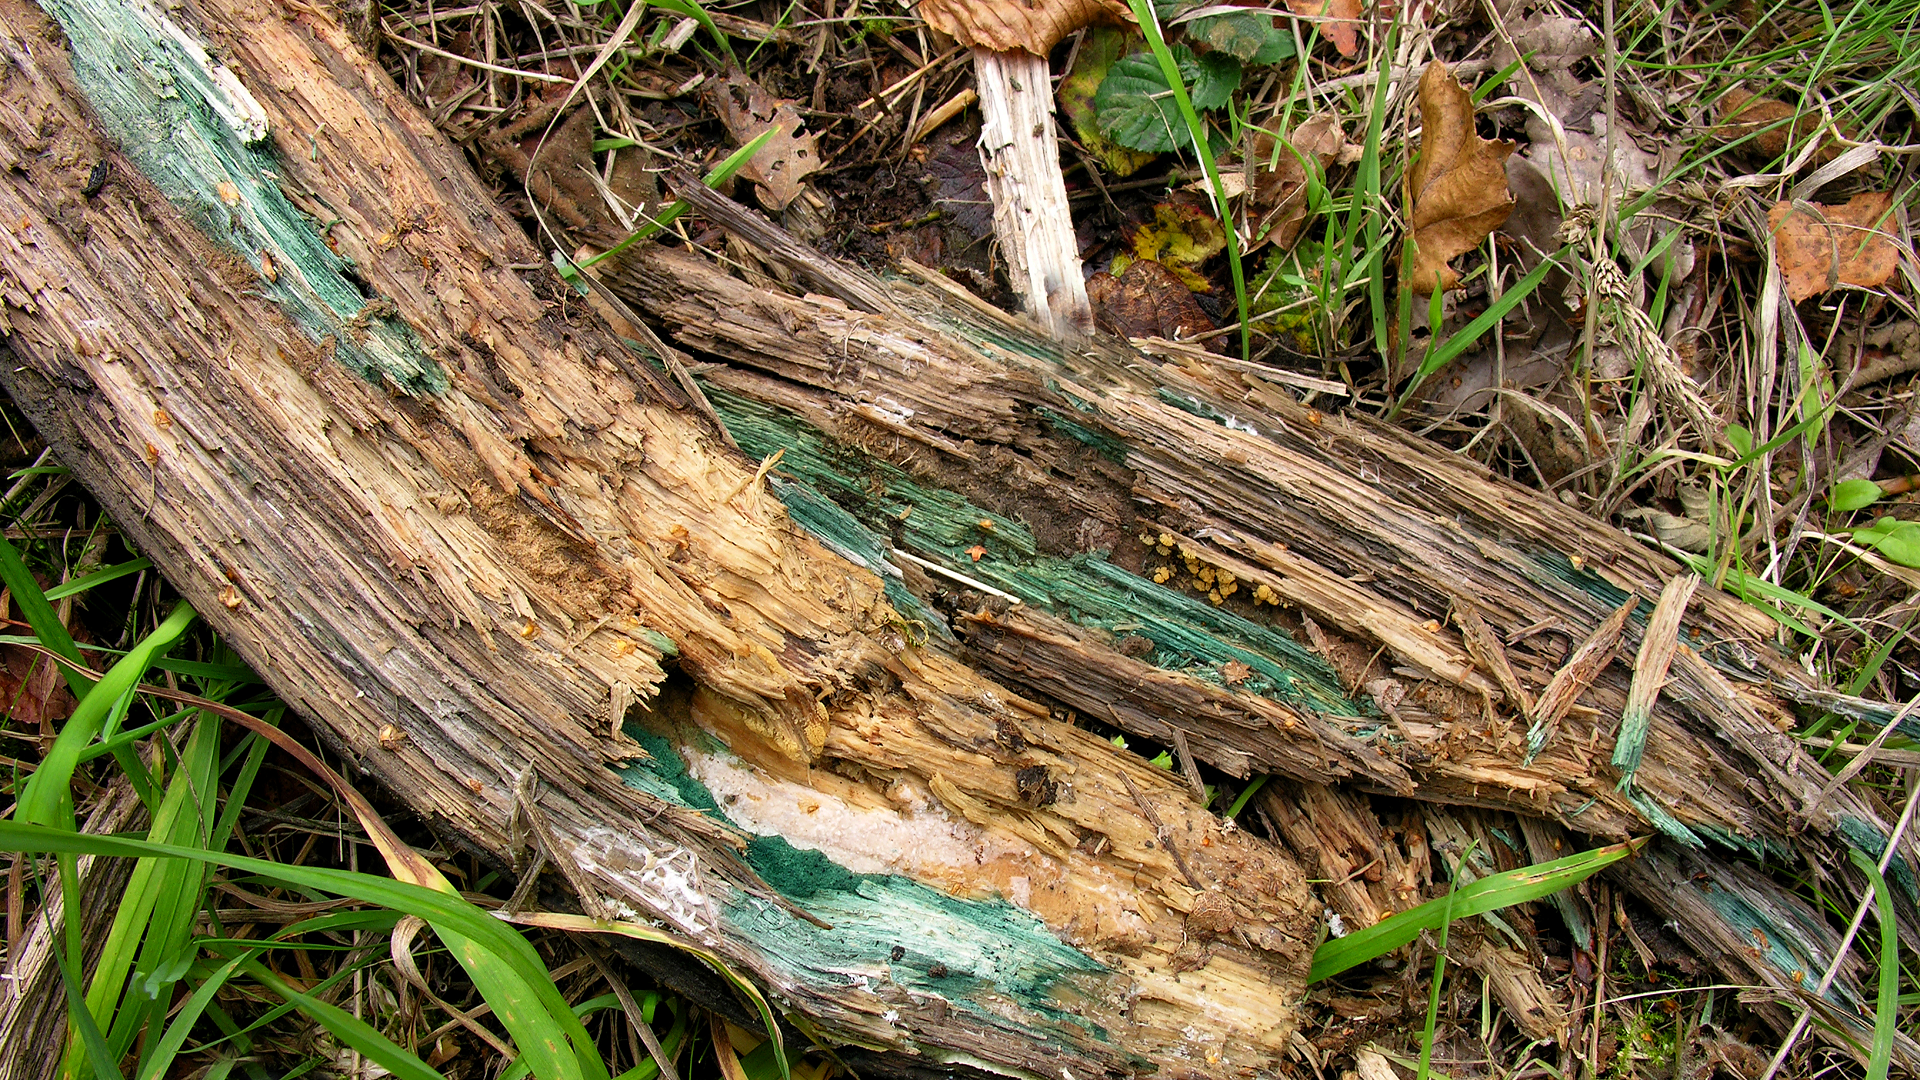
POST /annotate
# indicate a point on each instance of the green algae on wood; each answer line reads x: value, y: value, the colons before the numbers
x: 979, y: 955
x: 1189, y: 635
x: 191, y: 128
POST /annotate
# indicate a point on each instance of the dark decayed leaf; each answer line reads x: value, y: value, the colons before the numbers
x: 1135, y: 105
x: 1248, y: 36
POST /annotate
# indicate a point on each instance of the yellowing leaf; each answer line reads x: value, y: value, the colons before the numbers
x: 1457, y: 191
x: 1180, y: 238
x: 1821, y: 248
x: 1099, y: 50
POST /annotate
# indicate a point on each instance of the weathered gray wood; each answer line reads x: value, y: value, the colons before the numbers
x: 425, y: 490
x: 446, y: 499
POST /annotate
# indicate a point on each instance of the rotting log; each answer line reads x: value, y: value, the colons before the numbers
x: 417, y: 482
x: 275, y: 324
x: 1440, y: 603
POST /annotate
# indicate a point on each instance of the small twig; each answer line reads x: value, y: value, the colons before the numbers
x: 1187, y: 767
x: 1162, y: 833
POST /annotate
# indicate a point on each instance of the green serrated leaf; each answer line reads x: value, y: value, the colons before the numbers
x: 1135, y: 107
x: 1897, y: 540
x: 1219, y: 78
x: 1249, y: 37
x: 1099, y: 50
x: 1853, y: 495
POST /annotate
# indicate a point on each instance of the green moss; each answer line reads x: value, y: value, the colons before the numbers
x: 203, y: 141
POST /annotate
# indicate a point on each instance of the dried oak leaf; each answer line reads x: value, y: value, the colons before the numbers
x: 779, y: 169
x: 1006, y: 25
x: 1146, y: 300
x: 1823, y: 247
x: 1457, y: 191
x: 1339, y: 21
x: 1774, y: 125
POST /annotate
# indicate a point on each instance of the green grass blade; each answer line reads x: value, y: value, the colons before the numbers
x: 642, y: 932
x: 166, y: 948
x: 720, y: 174
x: 50, y: 785
x: 98, y: 577
x: 502, y: 964
x: 148, y: 919
x: 1150, y: 26
x: 352, y: 1031
x: 90, y: 1037
x: 1740, y: 582
x: 1886, y: 1012
x: 1466, y: 336
x: 160, y: 1059
x: 1488, y: 894
x: 40, y: 614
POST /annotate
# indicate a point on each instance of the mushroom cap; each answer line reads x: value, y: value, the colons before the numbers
x: 1035, y: 26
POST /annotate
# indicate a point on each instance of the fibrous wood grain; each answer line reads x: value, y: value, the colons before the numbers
x: 447, y: 500
x: 451, y: 501
x: 1143, y: 487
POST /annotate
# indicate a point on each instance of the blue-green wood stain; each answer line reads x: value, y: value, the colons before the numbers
x: 867, y: 494
x: 978, y: 955
x: 158, y: 95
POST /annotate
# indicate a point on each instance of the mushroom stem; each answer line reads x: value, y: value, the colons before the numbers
x: 1021, y: 151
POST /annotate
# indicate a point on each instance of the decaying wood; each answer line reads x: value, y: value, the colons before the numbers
x: 1340, y: 520
x: 435, y: 494
x: 418, y: 483
x: 33, y: 1000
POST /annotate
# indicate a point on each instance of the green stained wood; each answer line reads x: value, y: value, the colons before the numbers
x: 985, y: 957
x: 192, y: 129
x: 1189, y: 634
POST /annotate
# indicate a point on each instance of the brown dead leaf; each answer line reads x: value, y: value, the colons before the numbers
x: 1278, y: 202
x: 1339, y: 21
x: 33, y: 694
x: 1146, y: 300
x: 1824, y: 247
x: 1457, y: 191
x: 1771, y: 123
x: 1006, y: 25
x: 779, y: 169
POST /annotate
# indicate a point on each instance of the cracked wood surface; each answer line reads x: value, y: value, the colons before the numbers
x: 517, y: 531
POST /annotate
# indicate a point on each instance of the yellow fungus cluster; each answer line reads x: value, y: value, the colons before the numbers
x: 1218, y: 583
